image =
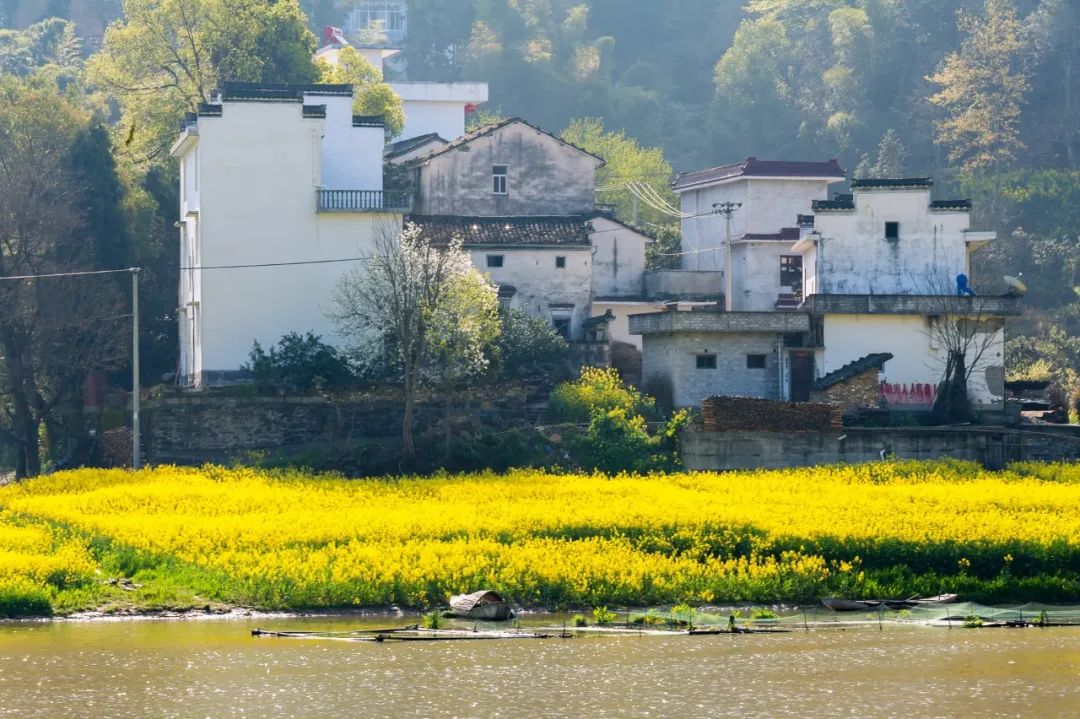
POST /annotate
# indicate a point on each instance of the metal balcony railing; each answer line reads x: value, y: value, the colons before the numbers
x: 362, y: 201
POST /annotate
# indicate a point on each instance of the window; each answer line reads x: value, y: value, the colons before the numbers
x: 892, y: 231
x: 755, y: 361
x: 562, y: 326
x: 706, y: 361
x: 494, y: 260
x: 790, y: 270
x: 498, y: 179
x: 560, y: 262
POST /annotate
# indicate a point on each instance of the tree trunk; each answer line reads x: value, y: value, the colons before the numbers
x: 407, y: 418
x: 24, y: 425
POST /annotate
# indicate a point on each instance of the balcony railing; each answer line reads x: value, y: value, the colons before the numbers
x: 362, y: 201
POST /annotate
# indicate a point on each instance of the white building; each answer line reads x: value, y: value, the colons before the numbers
x: 271, y: 175
x: 431, y: 108
x: 770, y: 194
x: 390, y: 17
x: 878, y: 289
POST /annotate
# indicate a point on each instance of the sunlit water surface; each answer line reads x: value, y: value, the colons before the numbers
x: 214, y: 668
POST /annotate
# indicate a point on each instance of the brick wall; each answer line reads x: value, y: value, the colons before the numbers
x: 669, y: 363
x: 863, y: 390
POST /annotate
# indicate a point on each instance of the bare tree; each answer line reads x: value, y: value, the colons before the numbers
x: 390, y: 302
x: 966, y: 333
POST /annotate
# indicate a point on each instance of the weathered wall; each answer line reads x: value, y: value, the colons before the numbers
x: 539, y: 283
x: 767, y: 205
x: 618, y: 259
x: 853, y: 256
x: 544, y: 177
x: 619, y: 328
x: 993, y: 447
x: 670, y: 361
x: 684, y: 284
x: 755, y: 279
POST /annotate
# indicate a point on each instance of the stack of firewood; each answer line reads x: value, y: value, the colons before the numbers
x: 726, y: 414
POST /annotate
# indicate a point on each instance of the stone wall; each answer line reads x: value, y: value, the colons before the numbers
x: 861, y: 391
x: 198, y: 427
x: 992, y: 446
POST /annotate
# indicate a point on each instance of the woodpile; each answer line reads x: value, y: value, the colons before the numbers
x: 727, y: 414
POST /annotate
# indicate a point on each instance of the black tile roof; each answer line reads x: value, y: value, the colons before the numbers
x: 950, y: 205
x: 868, y: 182
x: 805, y: 220
x: 314, y: 110
x: 852, y: 370
x: 787, y: 234
x: 841, y: 203
x: 753, y: 167
x: 487, y: 130
x: 368, y: 121
x: 279, y: 92
x: 507, y: 231
x: 403, y: 147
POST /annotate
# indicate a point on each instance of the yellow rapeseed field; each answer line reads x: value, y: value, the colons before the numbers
x: 286, y: 539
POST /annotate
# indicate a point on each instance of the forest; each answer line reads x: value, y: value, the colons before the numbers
x: 983, y: 95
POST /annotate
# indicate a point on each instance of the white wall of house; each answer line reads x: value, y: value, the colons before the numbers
x: 917, y: 356
x: 854, y: 257
x: 544, y: 176
x: 618, y: 259
x: 258, y: 166
x: 768, y: 204
x: 438, y: 106
x: 350, y: 157
x: 755, y: 279
x: 542, y: 288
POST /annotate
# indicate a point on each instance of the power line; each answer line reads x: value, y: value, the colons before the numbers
x: 78, y: 273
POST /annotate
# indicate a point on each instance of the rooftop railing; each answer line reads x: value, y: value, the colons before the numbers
x: 362, y: 201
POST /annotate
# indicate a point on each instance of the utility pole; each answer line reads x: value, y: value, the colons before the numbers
x: 727, y: 209
x: 136, y: 454
x: 633, y: 221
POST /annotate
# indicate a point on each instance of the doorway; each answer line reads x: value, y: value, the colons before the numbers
x: 802, y: 376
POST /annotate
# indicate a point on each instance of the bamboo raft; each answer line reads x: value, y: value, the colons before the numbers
x: 411, y: 633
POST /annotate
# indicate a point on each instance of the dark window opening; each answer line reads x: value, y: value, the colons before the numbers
x: 494, y: 260
x: 498, y: 179
x: 791, y: 271
x: 706, y: 361
x: 755, y: 361
x: 562, y: 326
x: 560, y: 262
x: 892, y: 230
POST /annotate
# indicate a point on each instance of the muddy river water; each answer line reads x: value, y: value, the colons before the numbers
x: 216, y: 669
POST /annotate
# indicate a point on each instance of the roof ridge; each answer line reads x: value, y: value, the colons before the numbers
x: 852, y: 369
x: 492, y: 127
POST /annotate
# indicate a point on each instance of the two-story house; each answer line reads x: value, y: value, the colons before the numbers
x: 280, y: 192
x: 523, y: 202
x: 880, y: 274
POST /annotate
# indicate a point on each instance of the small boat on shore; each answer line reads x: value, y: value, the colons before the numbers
x: 838, y: 604
x: 484, y: 604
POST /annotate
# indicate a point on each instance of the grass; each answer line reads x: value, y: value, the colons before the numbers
x: 289, y: 540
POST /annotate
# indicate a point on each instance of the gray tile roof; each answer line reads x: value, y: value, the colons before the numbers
x: 487, y: 130
x: 905, y: 182
x: 507, y: 231
x: 852, y: 370
x: 753, y: 167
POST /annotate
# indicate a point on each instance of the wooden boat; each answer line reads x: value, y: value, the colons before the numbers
x: 484, y: 604
x: 838, y: 604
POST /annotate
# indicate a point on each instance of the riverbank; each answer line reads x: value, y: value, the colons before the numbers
x: 175, y: 539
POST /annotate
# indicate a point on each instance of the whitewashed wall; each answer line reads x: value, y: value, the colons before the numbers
x: 618, y: 259
x: 350, y: 157
x: 619, y: 328
x: 917, y: 358
x: 756, y: 274
x: 259, y: 166
x: 853, y: 256
x: 539, y: 283
x: 438, y: 106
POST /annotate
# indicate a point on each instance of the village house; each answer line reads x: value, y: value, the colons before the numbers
x: 272, y: 175
x: 523, y: 202
x: 878, y: 279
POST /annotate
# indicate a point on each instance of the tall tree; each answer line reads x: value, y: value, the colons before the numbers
x: 52, y: 330
x: 371, y: 96
x: 982, y: 87
x: 165, y: 57
x: 627, y: 166
x: 1053, y: 48
x: 890, y: 158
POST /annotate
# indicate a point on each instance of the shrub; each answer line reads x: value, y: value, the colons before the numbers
x: 597, y: 390
x: 603, y: 615
x: 527, y: 342
x: 298, y: 363
x: 616, y: 442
